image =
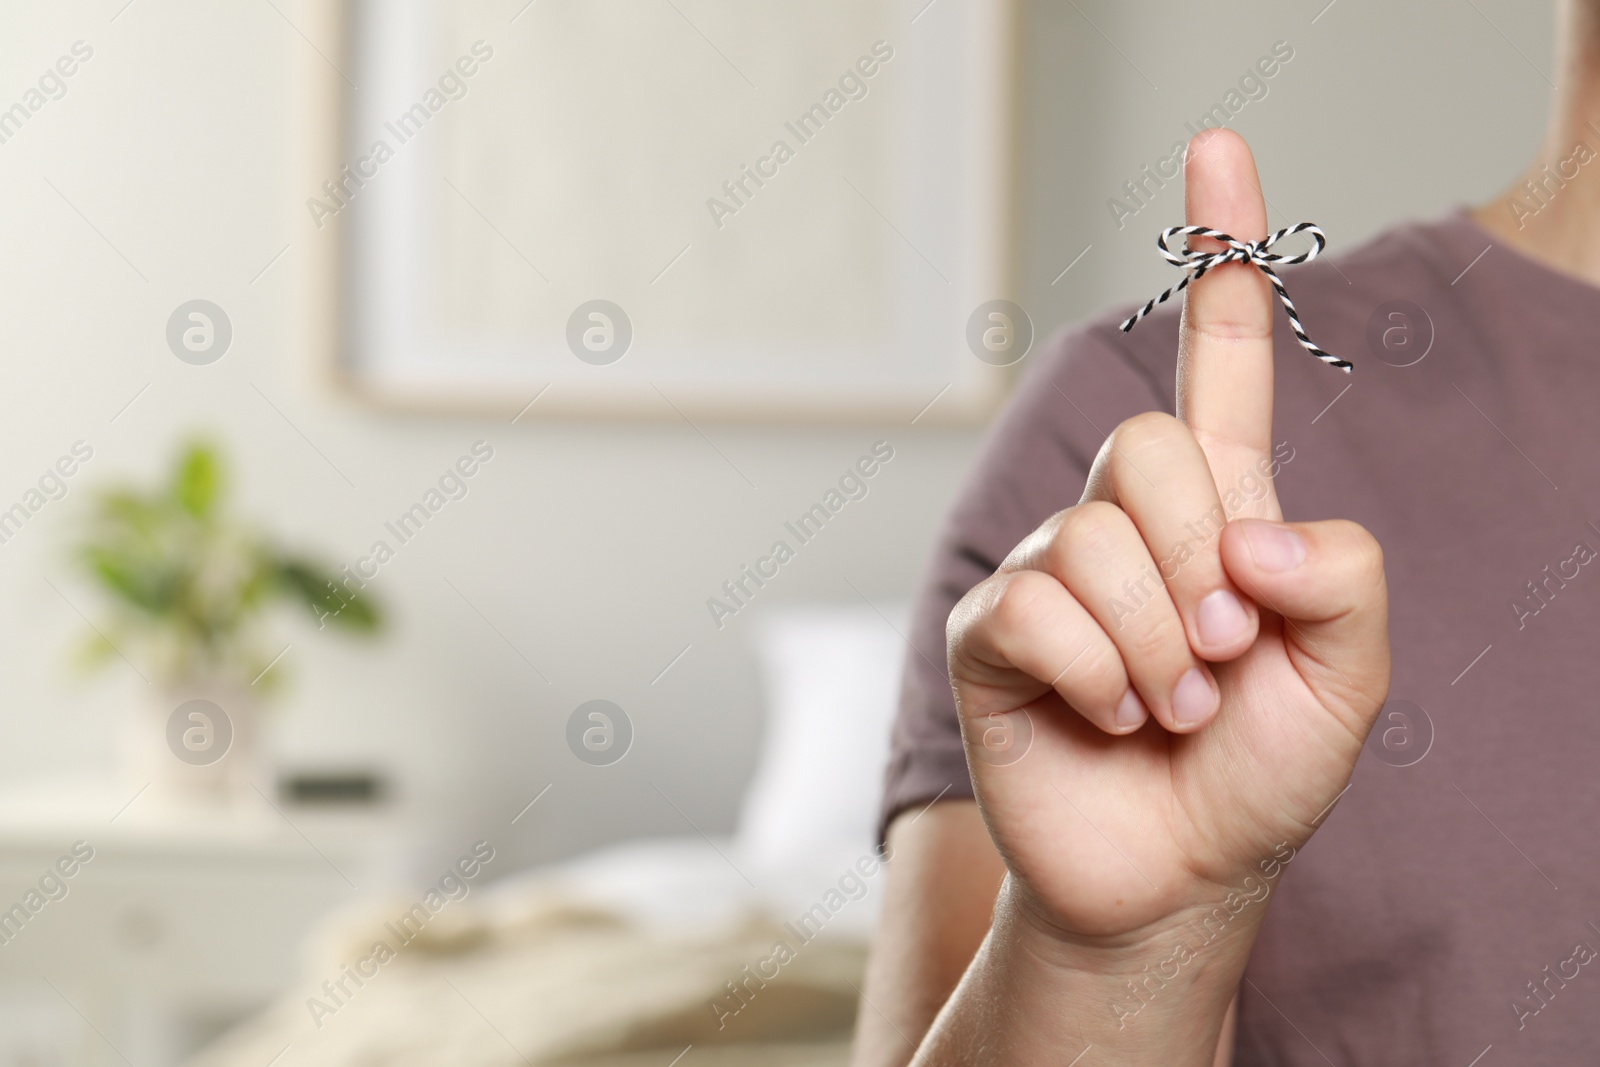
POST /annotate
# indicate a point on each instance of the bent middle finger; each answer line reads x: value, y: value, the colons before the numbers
x: 1158, y: 474
x: 1099, y: 555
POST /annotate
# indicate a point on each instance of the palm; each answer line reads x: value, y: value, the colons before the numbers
x: 1111, y: 833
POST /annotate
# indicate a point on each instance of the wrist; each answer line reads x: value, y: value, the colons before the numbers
x: 1036, y: 994
x: 1175, y: 974
x: 1221, y: 920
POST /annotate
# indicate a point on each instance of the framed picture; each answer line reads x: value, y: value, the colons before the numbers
x: 665, y: 208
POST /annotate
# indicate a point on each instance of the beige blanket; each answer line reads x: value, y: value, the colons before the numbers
x: 552, y: 982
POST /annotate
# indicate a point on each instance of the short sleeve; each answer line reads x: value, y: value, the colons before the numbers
x: 1034, y: 462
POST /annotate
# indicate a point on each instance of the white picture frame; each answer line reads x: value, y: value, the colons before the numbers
x: 412, y: 247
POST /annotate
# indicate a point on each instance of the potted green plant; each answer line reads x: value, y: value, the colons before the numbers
x: 189, y: 591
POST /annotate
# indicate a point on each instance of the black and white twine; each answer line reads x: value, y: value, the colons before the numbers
x: 1256, y: 252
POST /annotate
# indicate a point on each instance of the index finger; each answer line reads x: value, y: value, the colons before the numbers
x: 1225, y: 362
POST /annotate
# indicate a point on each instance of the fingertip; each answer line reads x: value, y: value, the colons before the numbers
x: 1131, y: 713
x: 1221, y: 187
x: 1224, y: 626
x: 1191, y: 703
x: 1195, y: 701
x: 1216, y: 138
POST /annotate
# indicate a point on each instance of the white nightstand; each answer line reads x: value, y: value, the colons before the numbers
x: 183, y: 920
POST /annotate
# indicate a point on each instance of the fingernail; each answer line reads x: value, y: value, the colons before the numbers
x: 1131, y: 712
x: 1221, y: 618
x: 1274, y: 547
x: 1193, y: 700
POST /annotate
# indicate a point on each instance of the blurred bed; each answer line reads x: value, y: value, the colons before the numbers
x: 740, y: 950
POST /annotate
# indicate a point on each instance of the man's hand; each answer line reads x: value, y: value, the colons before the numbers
x: 1191, y: 678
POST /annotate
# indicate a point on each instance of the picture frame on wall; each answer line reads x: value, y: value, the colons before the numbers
x: 804, y: 213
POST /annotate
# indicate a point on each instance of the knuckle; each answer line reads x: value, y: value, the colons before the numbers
x: 1088, y: 529
x: 1019, y: 606
x: 1224, y: 329
x: 1154, y: 635
x: 1096, y: 681
x: 964, y: 616
x: 1365, y: 555
x: 974, y: 615
x: 1149, y: 429
x: 1035, y: 546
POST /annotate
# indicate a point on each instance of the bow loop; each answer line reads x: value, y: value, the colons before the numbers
x: 1258, y: 253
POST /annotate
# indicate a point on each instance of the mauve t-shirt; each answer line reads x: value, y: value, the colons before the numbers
x: 1450, y: 902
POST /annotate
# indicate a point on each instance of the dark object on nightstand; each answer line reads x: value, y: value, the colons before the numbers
x: 333, y: 787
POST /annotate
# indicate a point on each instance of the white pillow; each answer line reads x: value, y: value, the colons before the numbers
x: 831, y: 677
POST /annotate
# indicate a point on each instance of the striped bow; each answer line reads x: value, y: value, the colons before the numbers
x: 1258, y: 252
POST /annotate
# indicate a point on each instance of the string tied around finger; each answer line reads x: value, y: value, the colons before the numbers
x: 1260, y: 254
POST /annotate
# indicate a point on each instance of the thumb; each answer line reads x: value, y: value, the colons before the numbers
x: 1326, y: 580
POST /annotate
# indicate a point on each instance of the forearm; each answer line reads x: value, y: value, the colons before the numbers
x: 1031, y: 997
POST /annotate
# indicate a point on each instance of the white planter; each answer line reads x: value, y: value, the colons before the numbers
x: 194, y: 744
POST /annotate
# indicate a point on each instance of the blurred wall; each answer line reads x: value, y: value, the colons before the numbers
x: 1385, y: 112
x: 167, y: 172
